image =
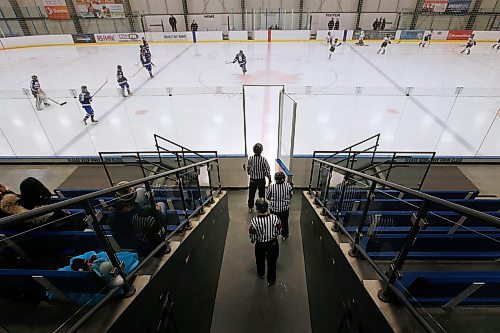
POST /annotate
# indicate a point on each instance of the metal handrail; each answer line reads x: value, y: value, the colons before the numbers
x: 452, y: 206
x: 184, y: 149
x: 62, y: 204
x: 349, y: 148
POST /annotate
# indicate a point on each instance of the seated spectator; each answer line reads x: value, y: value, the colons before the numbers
x: 33, y: 194
x: 4, y: 190
x: 133, y: 219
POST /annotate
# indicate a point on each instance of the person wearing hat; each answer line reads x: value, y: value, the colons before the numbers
x: 264, y: 230
x: 258, y: 169
x: 279, y: 196
x: 131, y: 218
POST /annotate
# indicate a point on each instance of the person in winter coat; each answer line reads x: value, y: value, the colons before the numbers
x: 173, y: 23
x: 33, y: 195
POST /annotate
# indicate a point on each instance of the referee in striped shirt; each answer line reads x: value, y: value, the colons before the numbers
x: 258, y: 169
x: 264, y: 230
x: 279, y: 195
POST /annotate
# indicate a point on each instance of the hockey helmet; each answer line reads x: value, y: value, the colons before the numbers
x: 279, y: 177
x: 119, y: 66
x: 336, y: 40
x: 257, y: 149
x: 84, y: 88
x: 261, y: 205
x: 34, y: 77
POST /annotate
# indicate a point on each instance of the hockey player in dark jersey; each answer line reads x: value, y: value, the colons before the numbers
x: 385, y: 42
x: 122, y: 81
x: 146, y: 62
x: 242, y: 61
x: 85, y: 99
x: 470, y: 43
x: 145, y: 43
x: 497, y: 45
x: 334, y: 45
x: 38, y: 93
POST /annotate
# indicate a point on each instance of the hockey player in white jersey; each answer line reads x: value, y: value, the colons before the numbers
x: 470, y: 43
x: 385, y: 42
x: 361, y: 39
x: 497, y: 45
x: 334, y: 45
x: 426, y: 40
x: 328, y: 38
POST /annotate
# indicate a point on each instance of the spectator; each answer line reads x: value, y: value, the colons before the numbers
x: 375, y: 24
x: 4, y: 190
x: 331, y: 24
x: 173, y: 23
x: 33, y: 195
x: 337, y: 24
x: 382, y: 25
x: 194, y: 26
x: 134, y: 225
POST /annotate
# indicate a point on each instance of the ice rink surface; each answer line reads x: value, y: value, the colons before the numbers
x: 352, y: 96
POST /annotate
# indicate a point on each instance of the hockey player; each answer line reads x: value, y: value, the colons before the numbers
x: 122, y: 81
x: 361, y: 39
x: 470, y: 43
x: 242, y: 61
x: 145, y: 44
x: 85, y: 99
x: 333, y: 46
x: 38, y: 93
x: 146, y: 62
x: 385, y: 42
x: 426, y: 40
x: 329, y: 38
x: 497, y: 45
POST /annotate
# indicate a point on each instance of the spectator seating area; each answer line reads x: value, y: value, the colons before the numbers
x: 31, y: 261
x: 447, y: 237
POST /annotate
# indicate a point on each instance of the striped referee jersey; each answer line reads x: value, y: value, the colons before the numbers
x: 258, y: 167
x: 264, y: 228
x: 279, y: 196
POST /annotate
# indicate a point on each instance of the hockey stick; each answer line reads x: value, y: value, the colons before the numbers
x: 399, y: 41
x: 105, y: 83
x: 137, y: 72
x: 60, y: 104
x: 229, y: 62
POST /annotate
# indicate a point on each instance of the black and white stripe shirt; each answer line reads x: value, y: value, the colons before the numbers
x: 279, y: 196
x: 258, y: 167
x: 264, y: 228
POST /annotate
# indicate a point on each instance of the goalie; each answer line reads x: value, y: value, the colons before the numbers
x: 38, y: 93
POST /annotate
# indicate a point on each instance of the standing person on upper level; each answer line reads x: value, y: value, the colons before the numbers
x: 194, y: 26
x: 264, y: 231
x: 375, y: 24
x: 331, y: 24
x: 258, y: 169
x: 279, y: 196
x: 337, y: 24
x: 173, y: 23
x: 85, y: 99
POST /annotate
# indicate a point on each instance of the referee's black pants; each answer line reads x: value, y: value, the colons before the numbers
x: 254, y: 184
x: 283, y: 216
x: 270, y: 251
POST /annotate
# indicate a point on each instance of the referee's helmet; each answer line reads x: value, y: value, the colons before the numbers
x: 261, y: 205
x: 279, y: 177
x: 257, y: 149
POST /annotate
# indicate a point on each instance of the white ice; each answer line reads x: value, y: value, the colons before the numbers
x: 205, y: 110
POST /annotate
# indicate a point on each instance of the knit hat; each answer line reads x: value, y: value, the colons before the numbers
x: 125, y: 195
